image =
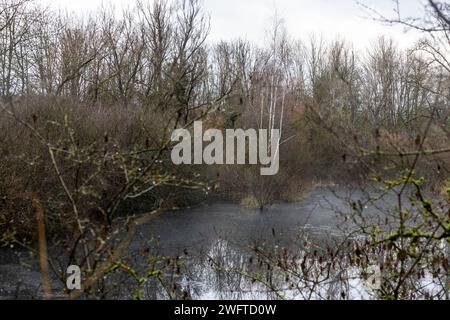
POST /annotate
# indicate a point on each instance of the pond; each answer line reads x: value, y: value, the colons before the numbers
x: 219, y: 249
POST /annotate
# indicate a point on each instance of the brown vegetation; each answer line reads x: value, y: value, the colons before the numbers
x: 88, y: 107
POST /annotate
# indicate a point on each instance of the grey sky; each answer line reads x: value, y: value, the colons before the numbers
x: 231, y: 19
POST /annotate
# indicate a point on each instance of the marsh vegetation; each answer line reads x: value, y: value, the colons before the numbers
x: 87, y: 109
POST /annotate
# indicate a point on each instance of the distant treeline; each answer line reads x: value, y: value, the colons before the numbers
x: 89, y: 103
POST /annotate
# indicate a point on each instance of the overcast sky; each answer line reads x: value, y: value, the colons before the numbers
x: 231, y: 19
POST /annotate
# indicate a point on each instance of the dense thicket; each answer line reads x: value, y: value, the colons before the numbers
x: 89, y: 104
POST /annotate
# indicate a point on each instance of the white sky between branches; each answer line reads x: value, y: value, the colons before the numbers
x: 250, y: 19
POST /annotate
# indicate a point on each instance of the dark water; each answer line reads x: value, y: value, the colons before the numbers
x: 226, y: 232
x: 220, y: 230
x: 212, y: 245
x: 198, y: 227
